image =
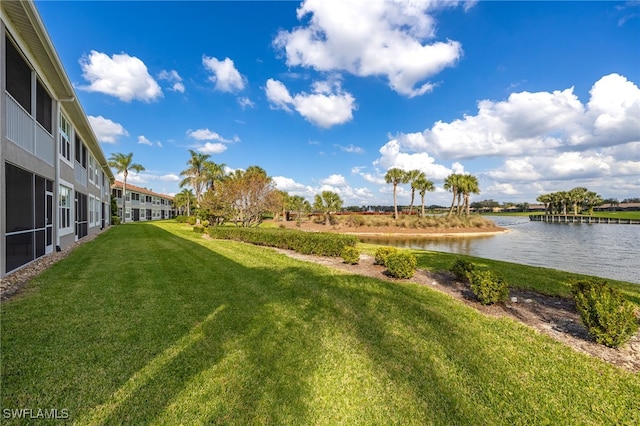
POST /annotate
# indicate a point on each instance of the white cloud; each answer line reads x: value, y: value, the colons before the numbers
x: 326, y: 107
x: 537, y: 123
x: 278, y: 95
x: 212, y: 148
x: 209, y: 135
x: 371, y: 38
x: 123, y: 76
x: 225, y: 75
x: 292, y: 187
x: 106, y: 130
x: 391, y: 156
x: 334, y: 180
x: 245, y: 102
x: 351, y: 149
x: 174, y: 79
x: 144, y: 141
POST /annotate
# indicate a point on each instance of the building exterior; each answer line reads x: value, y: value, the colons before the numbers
x: 142, y: 204
x: 55, y: 180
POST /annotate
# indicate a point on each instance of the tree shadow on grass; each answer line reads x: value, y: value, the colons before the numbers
x: 228, y: 333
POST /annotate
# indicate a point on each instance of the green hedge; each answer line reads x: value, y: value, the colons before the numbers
x: 318, y: 243
x: 351, y: 255
x: 383, y: 253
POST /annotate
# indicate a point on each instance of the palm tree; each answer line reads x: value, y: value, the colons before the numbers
x: 452, y: 183
x: 576, y: 197
x: 184, y: 198
x: 412, y: 176
x: 591, y: 199
x: 122, y: 164
x: 546, y: 200
x: 327, y: 202
x: 469, y: 186
x: 213, y: 173
x: 422, y: 184
x: 195, y: 174
x: 395, y: 176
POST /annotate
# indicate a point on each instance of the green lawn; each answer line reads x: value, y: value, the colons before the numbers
x: 152, y: 324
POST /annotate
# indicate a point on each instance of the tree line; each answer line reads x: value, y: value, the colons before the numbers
x: 576, y: 199
x: 245, y: 197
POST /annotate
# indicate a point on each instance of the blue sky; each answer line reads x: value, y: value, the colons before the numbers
x: 531, y: 97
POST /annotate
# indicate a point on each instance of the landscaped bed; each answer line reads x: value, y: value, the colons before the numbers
x: 152, y: 323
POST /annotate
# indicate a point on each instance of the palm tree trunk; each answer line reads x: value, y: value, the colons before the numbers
x: 395, y: 202
x: 453, y: 202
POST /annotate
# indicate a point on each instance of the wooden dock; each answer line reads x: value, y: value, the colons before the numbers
x: 570, y: 218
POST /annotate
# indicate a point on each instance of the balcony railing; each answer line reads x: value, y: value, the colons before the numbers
x: 24, y: 131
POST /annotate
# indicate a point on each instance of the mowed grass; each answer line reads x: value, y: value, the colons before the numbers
x: 152, y: 324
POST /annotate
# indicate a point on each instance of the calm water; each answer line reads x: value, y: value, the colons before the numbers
x: 603, y: 250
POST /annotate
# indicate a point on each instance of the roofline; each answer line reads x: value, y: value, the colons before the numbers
x: 119, y: 184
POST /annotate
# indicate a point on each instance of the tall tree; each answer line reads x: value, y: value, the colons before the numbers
x: 212, y: 173
x: 122, y: 163
x: 591, y: 199
x: 195, y: 174
x: 576, y: 197
x: 298, y: 204
x: 412, y: 176
x: 422, y: 185
x: 395, y: 176
x: 452, y: 184
x: 327, y: 202
x: 469, y: 185
x: 184, y: 199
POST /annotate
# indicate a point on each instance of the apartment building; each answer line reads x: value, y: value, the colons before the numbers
x: 142, y: 204
x: 56, y: 182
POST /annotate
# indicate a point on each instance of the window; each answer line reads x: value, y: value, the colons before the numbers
x: 65, y: 138
x: 64, y: 206
x: 148, y: 199
x: 44, y: 108
x: 92, y: 202
x: 18, y: 76
x: 81, y: 152
x: 135, y: 196
x: 90, y: 168
x: 116, y: 192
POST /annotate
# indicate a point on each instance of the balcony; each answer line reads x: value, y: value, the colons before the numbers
x: 26, y: 132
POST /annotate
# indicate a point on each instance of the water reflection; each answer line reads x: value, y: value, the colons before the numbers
x: 609, y: 251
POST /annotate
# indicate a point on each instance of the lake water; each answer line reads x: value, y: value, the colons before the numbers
x: 603, y: 250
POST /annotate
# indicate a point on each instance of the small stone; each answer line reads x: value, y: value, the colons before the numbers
x: 514, y: 299
x: 528, y: 301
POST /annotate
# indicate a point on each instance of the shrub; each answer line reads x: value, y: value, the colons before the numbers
x: 181, y: 219
x: 462, y: 269
x: 115, y: 220
x: 382, y: 254
x: 488, y: 287
x: 350, y: 255
x: 191, y: 220
x: 205, y: 223
x: 355, y: 221
x: 608, y: 317
x: 401, y: 264
x: 198, y: 229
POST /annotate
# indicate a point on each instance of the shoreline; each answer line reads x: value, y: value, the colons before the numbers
x: 392, y: 231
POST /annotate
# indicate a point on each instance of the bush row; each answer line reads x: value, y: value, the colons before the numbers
x: 318, y: 243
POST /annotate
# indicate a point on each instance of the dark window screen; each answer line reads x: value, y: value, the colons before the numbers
x: 19, y: 250
x: 39, y: 198
x: 19, y: 190
x: 44, y: 111
x: 18, y: 76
